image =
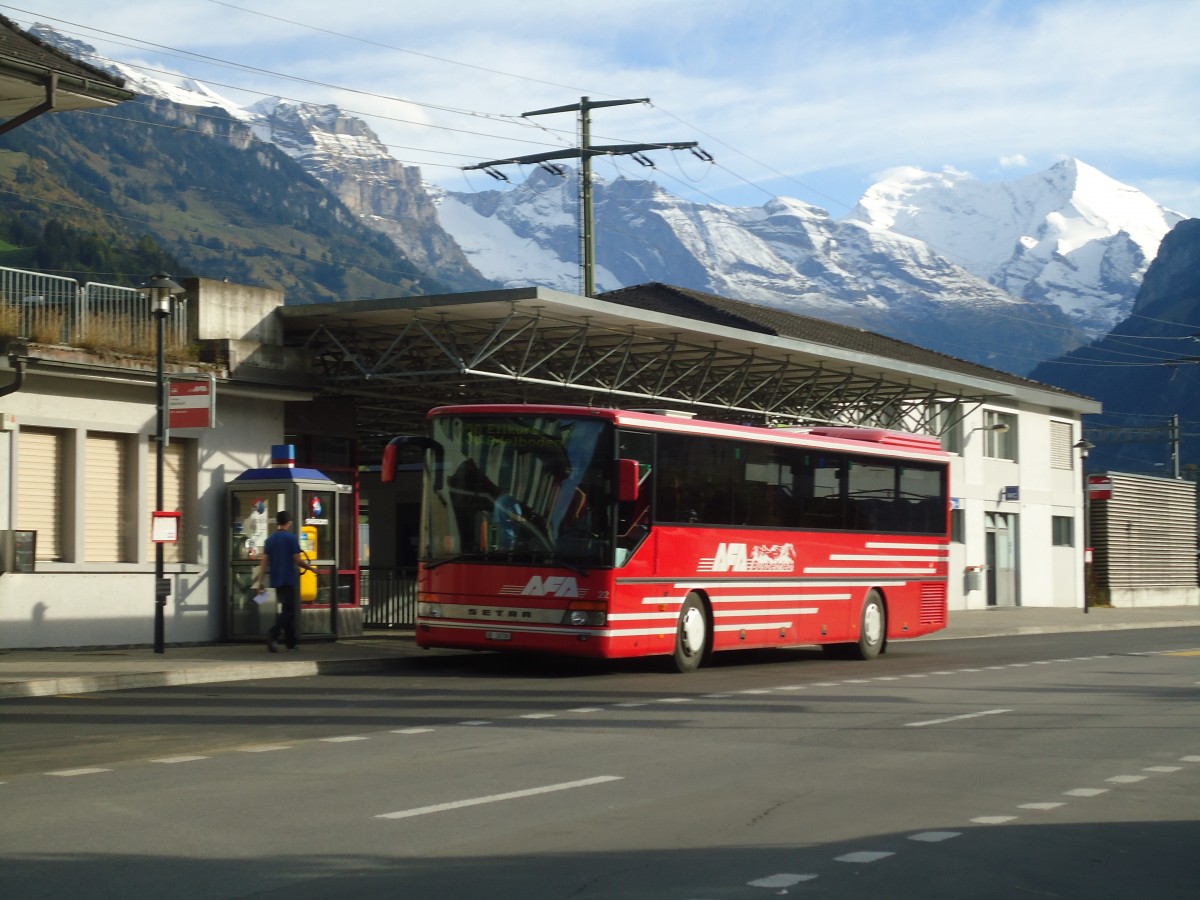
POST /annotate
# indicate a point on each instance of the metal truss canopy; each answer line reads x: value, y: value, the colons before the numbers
x: 399, y: 358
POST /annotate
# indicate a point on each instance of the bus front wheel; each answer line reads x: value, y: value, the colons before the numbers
x: 691, y: 636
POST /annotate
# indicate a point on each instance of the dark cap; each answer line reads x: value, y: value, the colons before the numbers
x: 283, y: 517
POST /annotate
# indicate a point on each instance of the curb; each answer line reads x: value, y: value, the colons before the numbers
x: 90, y: 684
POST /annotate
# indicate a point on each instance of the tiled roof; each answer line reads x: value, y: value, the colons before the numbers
x: 21, y: 47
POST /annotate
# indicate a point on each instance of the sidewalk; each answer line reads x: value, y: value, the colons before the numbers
x: 38, y: 673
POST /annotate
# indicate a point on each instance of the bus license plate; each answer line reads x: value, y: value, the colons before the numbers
x: 498, y: 635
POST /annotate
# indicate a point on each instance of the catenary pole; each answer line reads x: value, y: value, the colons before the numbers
x: 585, y: 152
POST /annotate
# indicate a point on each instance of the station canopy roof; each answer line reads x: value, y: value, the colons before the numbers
x: 647, y: 347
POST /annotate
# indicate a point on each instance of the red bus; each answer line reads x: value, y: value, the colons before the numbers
x: 607, y: 533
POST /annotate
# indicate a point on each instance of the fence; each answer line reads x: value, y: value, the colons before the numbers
x: 389, y: 597
x: 51, y: 309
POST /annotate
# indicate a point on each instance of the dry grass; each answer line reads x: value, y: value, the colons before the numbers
x: 10, y: 322
x: 109, y: 335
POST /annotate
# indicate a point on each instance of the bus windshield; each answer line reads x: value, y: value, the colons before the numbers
x: 522, y: 488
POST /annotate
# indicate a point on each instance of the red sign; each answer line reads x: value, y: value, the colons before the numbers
x: 190, y: 404
x: 1099, y: 487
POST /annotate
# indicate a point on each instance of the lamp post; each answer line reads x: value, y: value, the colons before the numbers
x: 161, y: 292
x: 1084, y: 447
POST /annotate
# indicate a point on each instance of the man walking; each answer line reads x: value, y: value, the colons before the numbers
x: 282, y: 558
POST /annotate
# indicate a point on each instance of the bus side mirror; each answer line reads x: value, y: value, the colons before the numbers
x: 627, y: 480
x: 392, y: 452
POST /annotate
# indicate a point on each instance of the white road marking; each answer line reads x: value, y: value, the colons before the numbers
x: 476, y: 722
x: 538, y: 716
x: 934, y: 837
x: 629, y: 705
x: 992, y: 820
x: 864, y: 856
x: 1086, y: 792
x: 755, y: 691
x: 70, y: 773
x: 263, y: 748
x: 1162, y: 768
x: 1190, y: 758
x: 496, y: 798
x: 171, y: 760
x: 585, y: 709
x: 986, y: 712
x: 717, y: 696
x: 791, y: 687
x: 1043, y: 806
x: 1126, y: 779
x: 827, y: 684
x: 674, y: 700
x: 782, y: 880
x: 343, y: 739
x: 411, y: 730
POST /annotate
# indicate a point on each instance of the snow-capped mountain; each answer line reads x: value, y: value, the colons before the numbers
x: 785, y: 254
x: 1004, y: 274
x: 339, y: 150
x: 1070, y: 235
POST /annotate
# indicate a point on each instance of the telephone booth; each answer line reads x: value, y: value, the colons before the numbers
x: 252, y: 501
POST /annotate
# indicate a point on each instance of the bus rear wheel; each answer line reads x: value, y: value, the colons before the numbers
x: 873, y: 633
x: 691, y: 635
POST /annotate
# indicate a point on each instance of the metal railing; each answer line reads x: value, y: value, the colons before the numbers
x: 52, y: 309
x: 389, y: 597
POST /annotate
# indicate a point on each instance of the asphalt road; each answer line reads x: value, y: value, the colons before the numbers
x: 1056, y: 766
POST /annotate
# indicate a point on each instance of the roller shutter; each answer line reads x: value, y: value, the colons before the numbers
x: 106, y: 503
x: 40, y: 489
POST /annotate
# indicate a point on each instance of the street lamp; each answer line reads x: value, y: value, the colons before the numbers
x: 1084, y: 447
x: 161, y: 292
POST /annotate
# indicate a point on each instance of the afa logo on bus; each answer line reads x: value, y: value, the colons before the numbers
x: 750, y: 558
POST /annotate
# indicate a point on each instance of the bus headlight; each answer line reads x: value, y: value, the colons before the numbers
x: 580, y: 617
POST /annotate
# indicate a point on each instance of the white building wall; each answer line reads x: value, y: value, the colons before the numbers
x: 1046, y: 575
x: 77, y: 603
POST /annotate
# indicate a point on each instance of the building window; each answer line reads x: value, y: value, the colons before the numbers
x: 1000, y: 430
x: 1063, y: 530
x: 106, y: 521
x: 40, y: 488
x: 1062, y: 455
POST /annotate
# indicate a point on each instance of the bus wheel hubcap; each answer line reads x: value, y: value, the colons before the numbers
x: 873, y: 623
x: 693, y: 631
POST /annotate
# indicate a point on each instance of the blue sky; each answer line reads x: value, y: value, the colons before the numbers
x: 811, y: 99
